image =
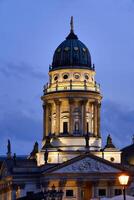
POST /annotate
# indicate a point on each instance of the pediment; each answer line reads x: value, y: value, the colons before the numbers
x: 88, y: 165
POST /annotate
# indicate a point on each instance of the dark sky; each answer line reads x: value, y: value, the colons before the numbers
x: 30, y: 31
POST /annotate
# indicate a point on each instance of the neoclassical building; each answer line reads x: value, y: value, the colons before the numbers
x: 71, y: 106
x: 72, y: 159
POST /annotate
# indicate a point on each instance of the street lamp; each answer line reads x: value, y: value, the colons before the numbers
x: 123, y: 179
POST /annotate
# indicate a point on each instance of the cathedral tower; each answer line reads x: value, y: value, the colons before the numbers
x: 71, y: 103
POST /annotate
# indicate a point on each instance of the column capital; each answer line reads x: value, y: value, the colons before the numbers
x: 57, y: 101
x: 62, y: 183
x: 71, y: 100
x: 84, y: 101
x: 79, y: 182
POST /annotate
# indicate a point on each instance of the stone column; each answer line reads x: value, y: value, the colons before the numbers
x: 44, y: 120
x: 62, y: 184
x: 84, y: 122
x: 79, y: 184
x: 45, y: 185
x: 98, y: 119
x: 47, y: 120
x: 70, y: 116
x: 95, y: 191
x: 57, y: 102
x: 49, y: 117
x: 95, y: 114
x: 110, y: 192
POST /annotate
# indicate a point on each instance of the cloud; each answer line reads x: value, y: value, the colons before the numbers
x: 118, y: 121
x: 21, y: 127
x: 20, y: 70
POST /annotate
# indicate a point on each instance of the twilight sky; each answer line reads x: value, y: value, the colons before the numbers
x: 30, y: 31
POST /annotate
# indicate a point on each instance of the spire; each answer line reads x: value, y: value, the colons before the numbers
x: 109, y: 143
x: 72, y: 24
x: 71, y: 34
x: 9, y: 149
x: 34, y: 151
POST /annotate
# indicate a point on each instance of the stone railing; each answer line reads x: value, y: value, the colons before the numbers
x: 48, y: 88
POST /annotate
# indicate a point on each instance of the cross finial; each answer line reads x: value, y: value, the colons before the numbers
x: 72, y: 24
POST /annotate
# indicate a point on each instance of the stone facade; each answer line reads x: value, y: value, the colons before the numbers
x: 72, y: 158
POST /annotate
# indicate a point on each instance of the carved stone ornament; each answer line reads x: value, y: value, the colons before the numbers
x: 87, y: 165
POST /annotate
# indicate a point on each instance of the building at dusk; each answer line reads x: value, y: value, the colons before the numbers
x: 72, y: 161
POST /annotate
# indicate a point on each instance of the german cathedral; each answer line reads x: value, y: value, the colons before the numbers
x: 72, y: 164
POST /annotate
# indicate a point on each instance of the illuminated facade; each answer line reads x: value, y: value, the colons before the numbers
x: 71, y: 105
x: 72, y: 159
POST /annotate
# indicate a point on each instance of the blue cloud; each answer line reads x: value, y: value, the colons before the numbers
x: 20, y: 70
x: 118, y: 121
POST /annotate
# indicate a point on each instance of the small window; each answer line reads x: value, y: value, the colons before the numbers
x: 56, y: 77
x: 84, y: 49
x: 58, y: 50
x: 117, y: 192
x: 65, y: 76
x: 66, y: 48
x: 69, y: 193
x: 102, y: 192
x: 86, y: 76
x: 76, y: 48
x: 76, y: 76
x: 112, y: 159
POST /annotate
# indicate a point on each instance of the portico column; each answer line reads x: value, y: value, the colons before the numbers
x: 79, y: 184
x: 62, y: 184
x: 110, y: 189
x: 57, y: 102
x: 95, y: 193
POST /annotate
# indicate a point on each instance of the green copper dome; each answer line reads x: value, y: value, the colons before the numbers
x: 71, y: 53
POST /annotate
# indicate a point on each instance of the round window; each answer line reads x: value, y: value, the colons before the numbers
x: 65, y: 76
x: 58, y: 50
x: 66, y: 48
x: 76, y: 48
x: 86, y: 76
x: 56, y: 77
x: 84, y: 49
x: 77, y: 76
x: 112, y: 159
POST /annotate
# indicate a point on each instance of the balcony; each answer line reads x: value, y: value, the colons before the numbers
x: 71, y: 86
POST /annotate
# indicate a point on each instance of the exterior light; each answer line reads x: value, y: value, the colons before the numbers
x: 123, y: 179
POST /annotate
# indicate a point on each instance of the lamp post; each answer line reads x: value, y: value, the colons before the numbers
x: 123, y: 179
